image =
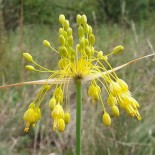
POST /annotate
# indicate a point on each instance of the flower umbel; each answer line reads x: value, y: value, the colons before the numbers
x: 78, y: 63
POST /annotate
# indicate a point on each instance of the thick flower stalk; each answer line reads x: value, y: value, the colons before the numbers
x: 77, y: 63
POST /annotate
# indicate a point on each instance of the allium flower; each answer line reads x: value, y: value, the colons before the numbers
x: 83, y: 62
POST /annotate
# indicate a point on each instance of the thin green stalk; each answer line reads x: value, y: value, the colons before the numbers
x: 78, y: 115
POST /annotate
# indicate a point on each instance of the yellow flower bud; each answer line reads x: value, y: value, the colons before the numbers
x: 91, y: 39
x: 28, y: 57
x: 115, y: 111
x: 63, y: 51
x: 65, y: 34
x: 88, y: 51
x: 61, y: 31
x: 58, y: 91
x: 70, y: 40
x: 86, y: 28
x: 62, y: 19
x: 66, y: 24
x: 37, y: 114
x: 90, y: 30
x: 29, y: 116
x: 106, y: 119
x: 61, y: 125
x: 82, y: 43
x: 111, y: 100
x: 52, y: 103
x: 114, y: 88
x: 83, y: 19
x: 78, y: 19
x: 69, y: 31
x: 46, y: 43
x: 91, y: 90
x: 122, y: 84
x: 118, y: 49
x: 61, y: 40
x: 58, y: 94
x: 80, y: 31
x: 29, y: 67
x: 57, y: 112
x: 67, y: 117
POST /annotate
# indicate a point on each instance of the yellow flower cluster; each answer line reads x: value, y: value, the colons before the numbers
x: 31, y: 116
x: 78, y: 62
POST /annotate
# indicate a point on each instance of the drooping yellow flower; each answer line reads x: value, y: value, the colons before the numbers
x: 31, y: 116
x: 80, y: 61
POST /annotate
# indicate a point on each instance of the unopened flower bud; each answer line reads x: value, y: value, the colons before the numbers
x: 106, y: 119
x: 88, y: 51
x: 46, y: 43
x: 30, y: 68
x: 114, y: 88
x: 62, y: 19
x: 70, y: 40
x: 86, y: 28
x: 83, y: 19
x: 115, y: 111
x: 28, y: 57
x: 69, y: 31
x: 122, y: 84
x: 67, y: 117
x: 91, y: 39
x: 82, y: 43
x: 90, y: 30
x: 66, y: 24
x: 118, y: 49
x: 80, y: 31
x: 111, y: 100
x: 61, y: 31
x: 52, y: 103
x: 61, y: 40
x: 78, y: 19
x: 61, y: 125
x: 63, y: 51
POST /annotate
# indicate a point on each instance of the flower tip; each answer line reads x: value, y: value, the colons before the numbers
x: 67, y: 117
x: 106, y: 119
x: 46, y: 43
x: 118, y: 49
x: 62, y: 19
x: 28, y: 57
x: 30, y: 68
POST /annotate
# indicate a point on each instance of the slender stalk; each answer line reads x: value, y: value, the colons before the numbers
x: 78, y: 115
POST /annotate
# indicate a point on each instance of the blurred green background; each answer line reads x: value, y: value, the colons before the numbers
x: 23, y: 27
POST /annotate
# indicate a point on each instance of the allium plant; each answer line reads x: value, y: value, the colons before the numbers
x: 78, y: 63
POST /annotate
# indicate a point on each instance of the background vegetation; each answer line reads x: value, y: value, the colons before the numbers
x: 23, y: 27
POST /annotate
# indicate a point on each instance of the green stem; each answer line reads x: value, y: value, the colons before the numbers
x: 78, y: 115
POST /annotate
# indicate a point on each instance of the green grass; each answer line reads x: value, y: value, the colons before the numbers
x: 125, y: 136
